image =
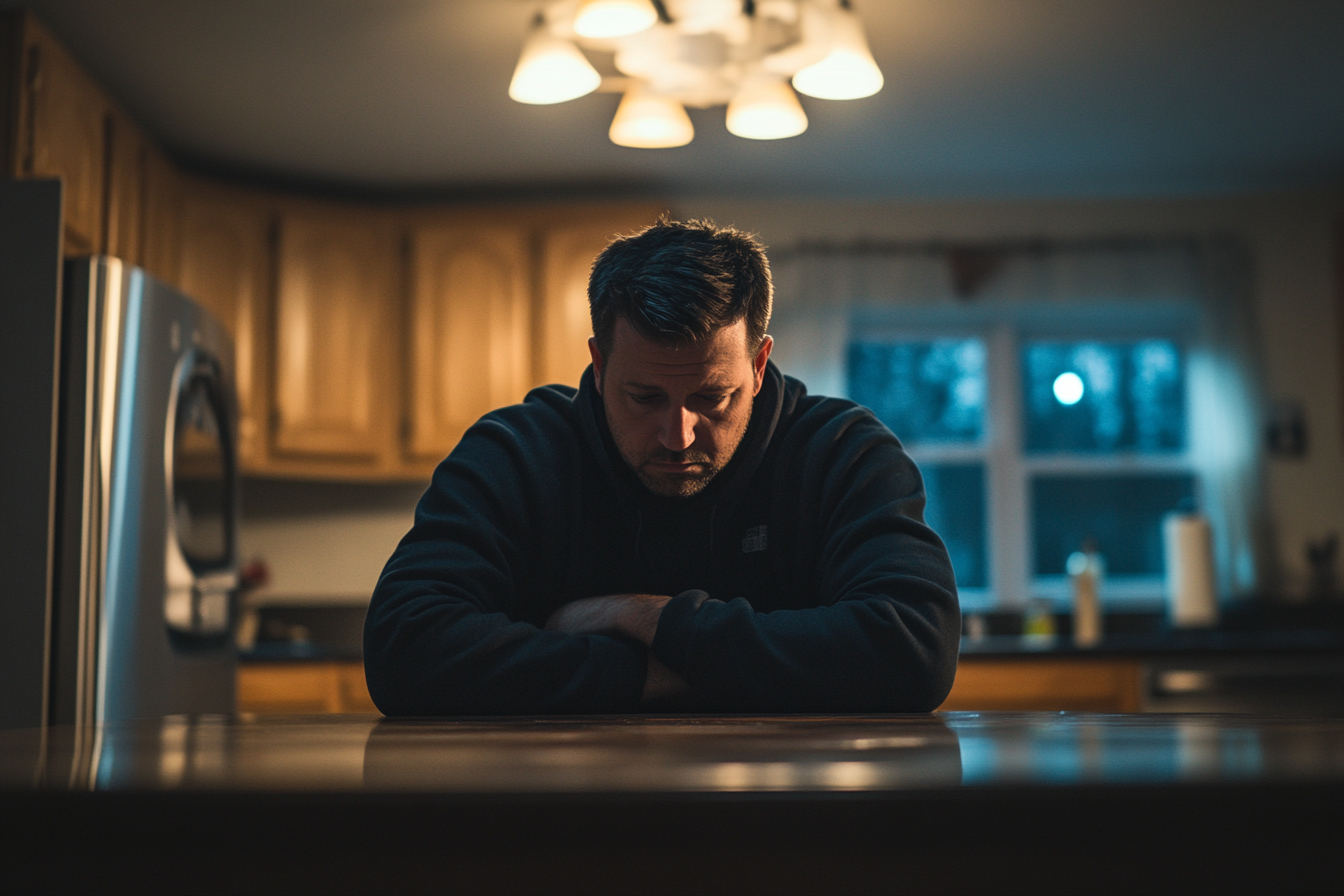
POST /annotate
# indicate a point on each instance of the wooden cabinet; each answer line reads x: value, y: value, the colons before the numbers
x: 335, y: 386
x: 568, y: 247
x: 161, y: 211
x: 61, y: 119
x: 1083, y: 684
x: 225, y: 264
x: 123, y: 222
x: 367, y: 339
x: 468, y: 330
x: 316, y: 687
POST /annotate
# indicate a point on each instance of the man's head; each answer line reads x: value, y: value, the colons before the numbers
x: 679, y: 351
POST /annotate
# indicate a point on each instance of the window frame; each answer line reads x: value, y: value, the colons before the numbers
x: 1009, y: 468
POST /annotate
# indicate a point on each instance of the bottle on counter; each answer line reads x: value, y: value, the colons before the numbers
x: 1086, y: 569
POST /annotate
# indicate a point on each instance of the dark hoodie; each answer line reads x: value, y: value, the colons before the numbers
x: 804, y: 577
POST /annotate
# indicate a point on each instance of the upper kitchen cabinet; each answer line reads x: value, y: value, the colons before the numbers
x: 225, y: 263
x: 124, y: 221
x: 468, y: 329
x: 57, y: 127
x: 161, y: 215
x: 569, y: 243
x: 335, y: 384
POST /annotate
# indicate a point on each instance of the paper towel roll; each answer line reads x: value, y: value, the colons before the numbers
x: 1192, y: 599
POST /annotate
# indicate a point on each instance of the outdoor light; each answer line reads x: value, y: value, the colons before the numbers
x: 1068, y: 388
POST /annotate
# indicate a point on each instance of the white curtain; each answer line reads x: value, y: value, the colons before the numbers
x: 1203, y: 286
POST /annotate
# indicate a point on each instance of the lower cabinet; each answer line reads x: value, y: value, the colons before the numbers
x: 1102, y: 684
x: 303, y: 687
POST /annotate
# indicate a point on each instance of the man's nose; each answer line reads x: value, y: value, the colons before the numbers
x: 678, y: 430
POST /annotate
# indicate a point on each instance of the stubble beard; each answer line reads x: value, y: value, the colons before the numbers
x: 671, y: 486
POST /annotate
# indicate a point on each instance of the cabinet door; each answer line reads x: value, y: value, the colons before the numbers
x: 161, y: 210
x: 335, y: 367
x: 568, y: 250
x: 62, y: 122
x: 225, y: 264
x: 469, y: 331
x: 123, y: 228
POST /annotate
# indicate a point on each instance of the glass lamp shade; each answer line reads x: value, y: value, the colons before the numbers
x: 848, y: 71
x: 766, y: 109
x: 648, y: 121
x: 614, y: 18
x: 551, y: 70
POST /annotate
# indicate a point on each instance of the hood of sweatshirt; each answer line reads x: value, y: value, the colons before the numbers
x: 694, y: 516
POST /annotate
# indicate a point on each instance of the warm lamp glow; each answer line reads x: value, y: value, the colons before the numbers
x: 614, y: 18
x: 648, y: 121
x: 766, y: 109
x: 551, y: 70
x: 848, y: 71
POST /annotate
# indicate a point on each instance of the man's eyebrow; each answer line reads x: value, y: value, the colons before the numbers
x: 707, y: 387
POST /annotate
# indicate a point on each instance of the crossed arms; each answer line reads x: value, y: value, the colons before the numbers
x: 633, y: 615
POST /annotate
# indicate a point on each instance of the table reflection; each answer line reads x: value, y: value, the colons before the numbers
x: 671, y: 754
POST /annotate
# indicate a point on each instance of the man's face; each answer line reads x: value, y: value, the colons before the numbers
x: 677, y: 413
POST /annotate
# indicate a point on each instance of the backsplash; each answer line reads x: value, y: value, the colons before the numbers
x: 323, y: 543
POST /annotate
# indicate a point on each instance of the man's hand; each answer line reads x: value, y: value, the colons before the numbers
x: 632, y: 615
x: 661, y: 682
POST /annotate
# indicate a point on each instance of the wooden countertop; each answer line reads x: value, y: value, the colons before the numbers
x: 994, y: 802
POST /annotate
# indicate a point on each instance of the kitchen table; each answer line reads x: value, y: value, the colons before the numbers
x: 948, y: 802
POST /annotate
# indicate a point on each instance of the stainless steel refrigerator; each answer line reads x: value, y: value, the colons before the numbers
x: 118, y: 485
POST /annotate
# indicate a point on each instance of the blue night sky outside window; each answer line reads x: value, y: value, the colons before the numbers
x: 955, y: 509
x: 1103, y: 396
x: 933, y: 392
x: 925, y: 392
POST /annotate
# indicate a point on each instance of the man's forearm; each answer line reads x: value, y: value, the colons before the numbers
x: 632, y: 615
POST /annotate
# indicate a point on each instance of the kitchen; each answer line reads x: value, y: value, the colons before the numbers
x: 326, y: 496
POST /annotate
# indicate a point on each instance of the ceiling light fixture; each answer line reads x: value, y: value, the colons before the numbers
x: 648, y: 121
x: 670, y: 54
x: 551, y: 69
x: 613, y: 18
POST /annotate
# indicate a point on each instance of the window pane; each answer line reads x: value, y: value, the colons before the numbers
x: 926, y: 392
x: 956, y: 511
x: 1121, y: 515
x: 1104, y: 396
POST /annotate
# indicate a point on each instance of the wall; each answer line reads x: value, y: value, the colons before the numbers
x: 328, y: 543
x: 323, y: 542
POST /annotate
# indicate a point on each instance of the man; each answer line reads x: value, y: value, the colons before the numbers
x: 688, y: 530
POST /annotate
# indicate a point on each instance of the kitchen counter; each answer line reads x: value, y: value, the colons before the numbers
x: 1045, y: 802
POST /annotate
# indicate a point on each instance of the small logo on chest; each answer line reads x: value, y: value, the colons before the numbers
x: 757, y: 540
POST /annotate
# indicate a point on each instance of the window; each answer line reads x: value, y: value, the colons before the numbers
x: 1036, y: 441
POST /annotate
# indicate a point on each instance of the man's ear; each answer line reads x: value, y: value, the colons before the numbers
x: 758, y: 363
x: 597, y: 363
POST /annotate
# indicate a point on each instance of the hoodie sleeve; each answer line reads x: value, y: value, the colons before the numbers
x: 884, y: 630
x: 441, y: 638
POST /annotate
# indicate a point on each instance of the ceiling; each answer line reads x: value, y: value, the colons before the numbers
x: 982, y: 98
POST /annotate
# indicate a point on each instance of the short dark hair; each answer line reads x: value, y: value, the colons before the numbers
x: 678, y: 281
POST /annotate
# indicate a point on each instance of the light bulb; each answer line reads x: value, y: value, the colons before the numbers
x: 766, y: 109
x: 551, y: 70
x: 848, y: 71
x: 648, y: 121
x: 614, y: 18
